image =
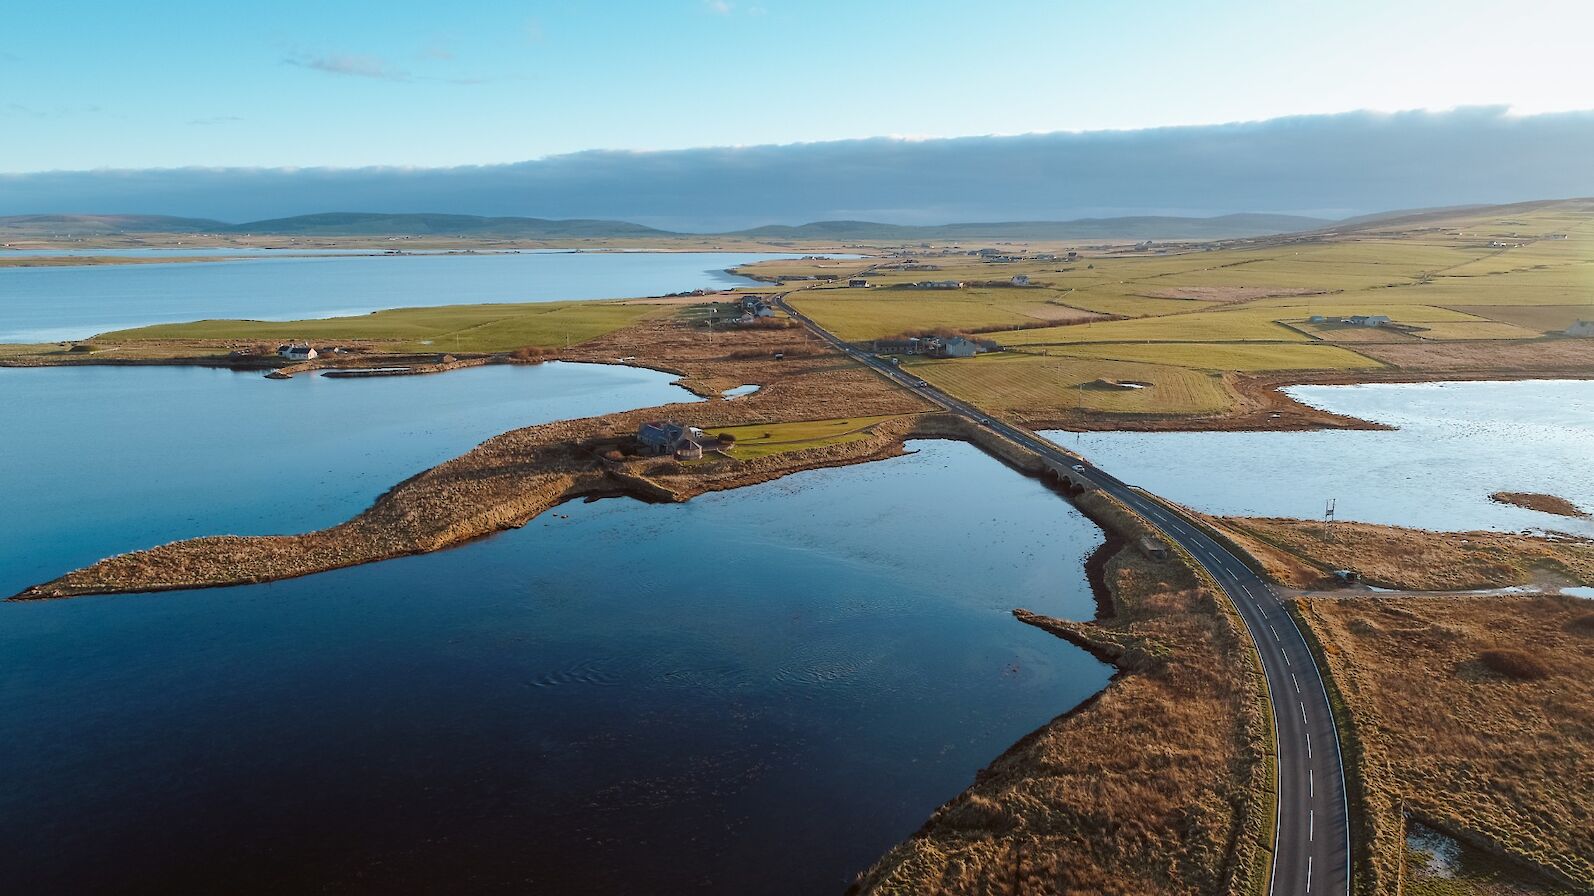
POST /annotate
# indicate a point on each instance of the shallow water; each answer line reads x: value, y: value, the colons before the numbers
x: 100, y: 460
x: 48, y: 304
x: 1456, y: 444
x: 755, y: 692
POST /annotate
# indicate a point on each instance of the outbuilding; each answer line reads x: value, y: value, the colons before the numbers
x: 297, y: 352
x: 958, y: 347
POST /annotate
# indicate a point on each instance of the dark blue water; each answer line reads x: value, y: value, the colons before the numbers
x: 48, y: 304
x: 100, y: 460
x: 756, y: 692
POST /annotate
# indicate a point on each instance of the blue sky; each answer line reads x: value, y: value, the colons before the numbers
x: 125, y: 85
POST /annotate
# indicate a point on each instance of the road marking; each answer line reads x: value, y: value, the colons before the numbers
x: 1308, y: 874
x: 1275, y: 632
x: 1303, y: 715
x: 1287, y: 661
x: 1308, y: 745
x: 1296, y: 682
x: 1311, y: 824
x: 1311, y: 786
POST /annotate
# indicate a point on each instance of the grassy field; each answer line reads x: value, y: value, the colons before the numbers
x: 764, y: 439
x: 1480, y: 289
x: 862, y: 314
x: 1031, y: 386
x: 1474, y: 714
x: 453, y: 328
x: 1241, y: 356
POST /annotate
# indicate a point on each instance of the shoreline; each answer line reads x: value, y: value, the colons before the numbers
x: 1267, y: 395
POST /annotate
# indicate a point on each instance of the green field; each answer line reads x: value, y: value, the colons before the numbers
x: 1035, y: 386
x: 461, y: 328
x: 762, y: 439
x: 1203, y: 326
x: 859, y: 315
x: 1242, y: 356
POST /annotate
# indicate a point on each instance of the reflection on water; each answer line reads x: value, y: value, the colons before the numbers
x: 100, y: 460
x: 1456, y: 444
x: 755, y: 692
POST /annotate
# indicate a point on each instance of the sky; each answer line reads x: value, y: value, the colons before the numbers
x: 291, y: 84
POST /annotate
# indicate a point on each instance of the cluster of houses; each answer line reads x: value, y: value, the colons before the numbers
x: 662, y: 438
x: 934, y: 346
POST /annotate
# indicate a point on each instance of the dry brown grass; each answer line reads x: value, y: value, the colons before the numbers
x: 1296, y: 553
x: 1475, y: 714
x: 1104, y: 800
x: 1540, y: 502
x: 1571, y: 356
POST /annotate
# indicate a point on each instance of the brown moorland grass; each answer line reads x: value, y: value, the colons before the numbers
x: 1296, y: 553
x: 1103, y: 800
x: 1474, y: 714
x: 1540, y: 502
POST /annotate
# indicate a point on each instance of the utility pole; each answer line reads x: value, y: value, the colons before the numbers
x: 1328, y: 520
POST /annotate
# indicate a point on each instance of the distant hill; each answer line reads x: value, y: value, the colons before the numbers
x: 370, y: 224
x: 1140, y: 227
x: 82, y: 225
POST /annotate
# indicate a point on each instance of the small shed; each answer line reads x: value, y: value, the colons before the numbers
x: 1153, y: 548
x: 689, y: 449
x: 858, y: 283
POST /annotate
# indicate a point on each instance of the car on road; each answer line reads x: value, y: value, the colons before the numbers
x: 921, y: 384
x: 1079, y: 468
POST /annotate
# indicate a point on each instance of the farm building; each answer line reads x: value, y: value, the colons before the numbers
x: 1581, y: 328
x: 688, y: 449
x: 939, y: 284
x: 858, y: 283
x: 1367, y: 320
x: 661, y: 436
x: 297, y: 352
x: 958, y: 347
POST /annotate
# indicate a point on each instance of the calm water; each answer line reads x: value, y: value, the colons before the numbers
x: 755, y: 692
x: 1456, y: 444
x: 57, y: 303
x: 100, y: 460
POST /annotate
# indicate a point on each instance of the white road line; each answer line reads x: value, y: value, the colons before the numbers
x: 1311, y: 824
x: 1287, y: 661
x: 1308, y: 874
x: 1311, y: 783
x: 1303, y: 715
x: 1308, y: 745
x: 1296, y: 682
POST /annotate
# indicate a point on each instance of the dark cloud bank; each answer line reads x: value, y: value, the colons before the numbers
x: 1327, y: 165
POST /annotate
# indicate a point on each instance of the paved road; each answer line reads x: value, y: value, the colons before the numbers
x: 1312, y: 846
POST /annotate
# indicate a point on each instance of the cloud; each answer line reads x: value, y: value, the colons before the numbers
x: 1330, y: 165
x: 722, y: 7
x: 350, y: 64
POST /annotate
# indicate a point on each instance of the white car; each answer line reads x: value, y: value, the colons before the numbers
x: 1079, y: 468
